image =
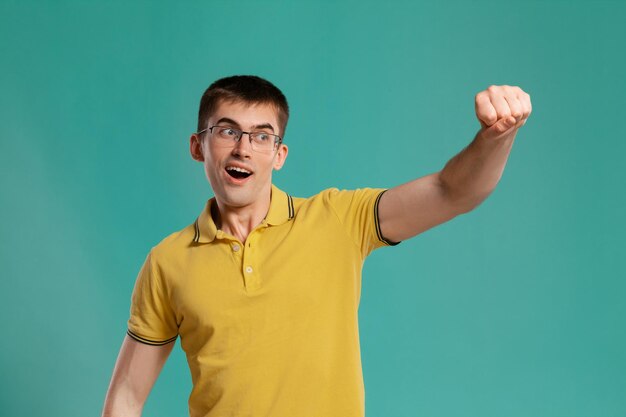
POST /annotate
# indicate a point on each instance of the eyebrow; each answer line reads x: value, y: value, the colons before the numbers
x: 234, y: 123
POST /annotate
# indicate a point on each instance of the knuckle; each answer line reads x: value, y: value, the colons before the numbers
x: 483, y: 113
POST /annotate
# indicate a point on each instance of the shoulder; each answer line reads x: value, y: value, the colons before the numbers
x: 341, y: 202
x: 334, y: 193
x: 174, y: 244
x: 334, y: 196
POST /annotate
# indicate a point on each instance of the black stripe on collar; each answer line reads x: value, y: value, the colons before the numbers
x: 290, y: 204
x: 196, y: 236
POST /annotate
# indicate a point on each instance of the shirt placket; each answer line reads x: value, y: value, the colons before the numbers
x: 245, y: 255
x: 249, y: 266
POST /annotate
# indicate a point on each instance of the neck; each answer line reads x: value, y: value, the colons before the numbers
x: 239, y: 222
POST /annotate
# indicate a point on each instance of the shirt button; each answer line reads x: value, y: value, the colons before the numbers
x: 249, y: 269
x: 236, y: 247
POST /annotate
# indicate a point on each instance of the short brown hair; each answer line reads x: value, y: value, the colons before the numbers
x: 243, y: 88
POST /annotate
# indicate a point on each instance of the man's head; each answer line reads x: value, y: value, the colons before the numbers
x: 246, y: 89
x: 236, y: 114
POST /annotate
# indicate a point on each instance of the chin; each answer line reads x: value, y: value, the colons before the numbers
x: 236, y: 198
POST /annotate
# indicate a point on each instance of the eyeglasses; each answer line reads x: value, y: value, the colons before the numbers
x: 228, y: 136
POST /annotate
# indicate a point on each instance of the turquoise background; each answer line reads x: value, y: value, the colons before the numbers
x: 515, y: 309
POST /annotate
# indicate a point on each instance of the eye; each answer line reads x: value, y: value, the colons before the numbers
x: 262, y: 137
x: 228, y: 132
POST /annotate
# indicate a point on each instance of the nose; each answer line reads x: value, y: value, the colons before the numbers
x: 243, y: 147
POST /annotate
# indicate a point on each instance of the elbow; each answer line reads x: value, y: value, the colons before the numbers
x: 463, y: 200
x: 474, y: 200
x: 466, y: 205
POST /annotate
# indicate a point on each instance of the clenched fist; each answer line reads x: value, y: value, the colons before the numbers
x: 501, y: 110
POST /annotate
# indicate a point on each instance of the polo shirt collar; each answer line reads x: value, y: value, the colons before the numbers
x: 281, y: 210
x: 281, y: 207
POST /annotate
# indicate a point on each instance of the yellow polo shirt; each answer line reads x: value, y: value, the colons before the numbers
x: 269, y: 325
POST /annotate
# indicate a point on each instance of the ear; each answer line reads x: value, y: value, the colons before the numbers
x: 195, y: 148
x: 281, y: 156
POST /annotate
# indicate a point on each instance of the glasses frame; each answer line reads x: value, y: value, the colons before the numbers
x: 277, y: 139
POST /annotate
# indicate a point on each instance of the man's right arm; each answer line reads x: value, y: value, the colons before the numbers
x: 137, y: 368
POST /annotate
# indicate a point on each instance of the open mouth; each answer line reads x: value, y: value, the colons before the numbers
x: 238, y: 173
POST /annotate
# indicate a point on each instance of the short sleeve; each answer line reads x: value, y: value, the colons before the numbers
x: 358, y: 212
x: 152, y: 320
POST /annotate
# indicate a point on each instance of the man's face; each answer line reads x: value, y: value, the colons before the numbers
x: 240, y: 176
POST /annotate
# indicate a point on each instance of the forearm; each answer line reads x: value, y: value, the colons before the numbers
x: 120, y: 402
x: 126, y: 394
x: 470, y: 176
x: 136, y: 370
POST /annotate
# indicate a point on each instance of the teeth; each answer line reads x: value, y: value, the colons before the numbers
x: 245, y: 171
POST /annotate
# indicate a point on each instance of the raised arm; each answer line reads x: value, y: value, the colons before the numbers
x: 137, y: 368
x: 468, y: 178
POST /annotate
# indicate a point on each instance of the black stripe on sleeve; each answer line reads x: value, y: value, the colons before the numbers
x: 377, y: 221
x: 150, y: 342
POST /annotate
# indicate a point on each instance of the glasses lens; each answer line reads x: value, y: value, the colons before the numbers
x: 263, y: 142
x: 227, y: 132
x: 225, y: 136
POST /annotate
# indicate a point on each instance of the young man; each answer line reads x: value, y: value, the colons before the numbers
x: 263, y: 288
